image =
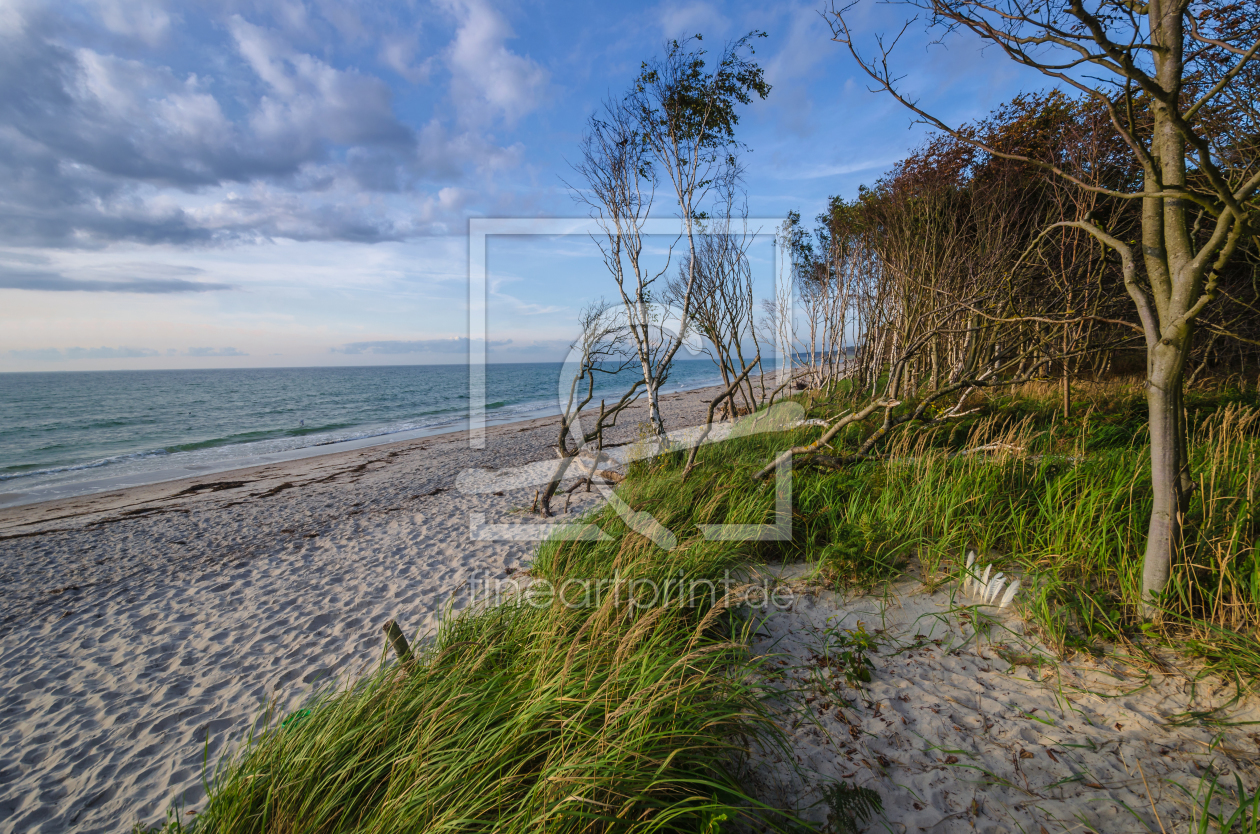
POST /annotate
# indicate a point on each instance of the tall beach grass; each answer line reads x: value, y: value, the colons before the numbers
x: 542, y: 713
x: 1066, y: 504
x: 608, y: 716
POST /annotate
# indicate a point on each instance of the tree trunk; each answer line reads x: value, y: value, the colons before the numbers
x: 654, y: 410
x: 936, y: 362
x: 1067, y: 379
x: 1169, y: 466
x: 651, y: 382
x: 562, y: 467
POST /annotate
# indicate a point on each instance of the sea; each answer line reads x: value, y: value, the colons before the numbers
x: 75, y: 433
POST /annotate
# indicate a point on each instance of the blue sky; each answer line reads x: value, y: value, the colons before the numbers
x: 236, y: 184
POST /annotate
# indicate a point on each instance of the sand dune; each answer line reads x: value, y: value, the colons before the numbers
x: 956, y: 738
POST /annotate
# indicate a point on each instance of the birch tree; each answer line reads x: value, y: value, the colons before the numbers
x: 672, y: 134
x: 723, y: 301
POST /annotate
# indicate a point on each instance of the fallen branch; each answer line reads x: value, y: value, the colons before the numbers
x: 863, y: 453
x: 835, y: 429
x: 991, y: 447
x: 708, y: 420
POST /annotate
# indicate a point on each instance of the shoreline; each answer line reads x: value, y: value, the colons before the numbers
x: 147, y: 627
x: 275, y: 465
x: 62, y: 491
x: 13, y: 494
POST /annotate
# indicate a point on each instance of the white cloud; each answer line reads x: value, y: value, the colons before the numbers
x: 814, y: 172
x: 292, y: 16
x: 57, y: 355
x: 488, y: 80
x: 453, y: 345
x: 345, y: 19
x: 97, y: 148
x: 399, y: 54
x: 311, y: 101
x: 13, y: 17
x: 801, y: 46
x: 210, y: 351
x: 525, y: 308
x: 682, y: 20
x: 145, y: 20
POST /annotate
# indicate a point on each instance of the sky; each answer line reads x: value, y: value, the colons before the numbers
x: 263, y: 184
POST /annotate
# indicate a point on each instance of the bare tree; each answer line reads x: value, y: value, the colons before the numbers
x: 602, y: 348
x: 808, y: 315
x: 722, y: 297
x: 674, y: 129
x: 823, y: 296
x: 927, y: 275
x: 1159, y: 68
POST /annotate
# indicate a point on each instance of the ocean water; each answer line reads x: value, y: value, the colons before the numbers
x: 68, y: 433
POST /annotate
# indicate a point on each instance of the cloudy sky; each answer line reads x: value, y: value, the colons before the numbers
x: 235, y: 183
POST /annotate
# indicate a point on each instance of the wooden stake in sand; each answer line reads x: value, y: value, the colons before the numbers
x: 395, y: 635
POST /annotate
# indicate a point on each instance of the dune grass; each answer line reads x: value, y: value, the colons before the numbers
x: 537, y: 714
x: 1065, y: 504
x: 518, y: 719
x: 565, y: 711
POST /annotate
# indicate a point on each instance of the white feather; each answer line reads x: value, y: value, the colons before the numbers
x: 1010, y: 594
x: 995, y: 585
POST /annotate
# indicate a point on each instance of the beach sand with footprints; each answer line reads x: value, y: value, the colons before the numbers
x: 143, y: 631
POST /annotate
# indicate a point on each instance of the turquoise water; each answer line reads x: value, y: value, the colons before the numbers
x: 65, y: 433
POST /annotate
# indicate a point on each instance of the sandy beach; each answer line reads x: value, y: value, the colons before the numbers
x: 143, y: 630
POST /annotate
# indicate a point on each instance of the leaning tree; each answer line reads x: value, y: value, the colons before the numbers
x: 672, y: 132
x: 1175, y: 77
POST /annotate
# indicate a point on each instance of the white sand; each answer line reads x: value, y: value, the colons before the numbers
x: 138, y: 625
x: 955, y: 739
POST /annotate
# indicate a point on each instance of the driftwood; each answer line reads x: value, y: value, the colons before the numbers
x: 399, y: 642
x: 607, y: 475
